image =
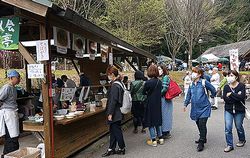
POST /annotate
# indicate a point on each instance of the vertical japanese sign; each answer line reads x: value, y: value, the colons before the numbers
x: 9, y: 33
x: 234, y: 59
x: 42, y: 50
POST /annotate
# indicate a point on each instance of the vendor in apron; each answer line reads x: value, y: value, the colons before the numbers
x: 9, y: 121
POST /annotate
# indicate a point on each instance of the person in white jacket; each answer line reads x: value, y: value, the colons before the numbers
x: 9, y: 121
x: 215, y: 81
x: 187, y: 82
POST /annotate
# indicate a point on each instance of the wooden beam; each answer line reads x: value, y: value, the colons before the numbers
x: 28, y: 5
x: 25, y: 53
x: 75, y: 66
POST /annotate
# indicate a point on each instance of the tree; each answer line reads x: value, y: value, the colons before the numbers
x: 89, y: 9
x: 139, y: 22
x: 191, y: 19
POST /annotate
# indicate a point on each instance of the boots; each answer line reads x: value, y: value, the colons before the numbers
x: 200, y: 146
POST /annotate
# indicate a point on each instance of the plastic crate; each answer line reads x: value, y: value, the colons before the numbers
x: 26, y: 152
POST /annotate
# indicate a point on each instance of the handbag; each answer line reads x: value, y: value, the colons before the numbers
x: 173, y: 90
x: 247, y: 111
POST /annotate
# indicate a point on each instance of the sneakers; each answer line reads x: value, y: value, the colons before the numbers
x: 152, y: 143
x: 241, y: 143
x: 109, y: 152
x: 228, y: 149
x: 120, y: 151
x: 161, y: 141
x: 197, y: 141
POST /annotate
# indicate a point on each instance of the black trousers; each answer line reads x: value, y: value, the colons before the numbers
x: 116, y: 135
x: 202, y: 126
x: 138, y: 113
x: 10, y: 144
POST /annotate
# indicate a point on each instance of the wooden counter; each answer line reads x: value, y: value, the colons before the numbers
x: 71, y: 135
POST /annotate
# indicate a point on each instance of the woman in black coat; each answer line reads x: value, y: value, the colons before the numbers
x: 153, y: 114
x: 114, y: 115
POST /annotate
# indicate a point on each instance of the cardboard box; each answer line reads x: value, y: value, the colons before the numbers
x: 26, y: 152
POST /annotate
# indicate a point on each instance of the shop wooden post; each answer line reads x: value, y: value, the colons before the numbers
x: 46, y: 103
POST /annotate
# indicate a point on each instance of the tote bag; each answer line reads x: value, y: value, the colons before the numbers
x: 173, y: 90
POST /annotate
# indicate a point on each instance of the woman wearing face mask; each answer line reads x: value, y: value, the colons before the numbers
x: 167, y: 105
x: 234, y: 95
x: 200, y: 105
x: 114, y: 115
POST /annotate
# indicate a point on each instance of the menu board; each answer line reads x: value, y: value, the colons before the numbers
x: 67, y: 94
x: 35, y: 71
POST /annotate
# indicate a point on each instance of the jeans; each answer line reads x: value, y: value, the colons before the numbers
x: 153, y: 133
x: 116, y: 135
x: 202, y: 126
x: 238, y: 121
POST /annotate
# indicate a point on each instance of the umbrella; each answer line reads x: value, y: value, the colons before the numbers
x: 224, y: 60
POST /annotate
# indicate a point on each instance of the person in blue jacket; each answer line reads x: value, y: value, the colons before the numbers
x: 200, y: 105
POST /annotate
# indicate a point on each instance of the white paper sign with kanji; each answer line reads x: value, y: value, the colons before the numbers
x: 111, y: 59
x: 35, y: 71
x: 234, y: 59
x: 42, y: 50
x: 67, y: 94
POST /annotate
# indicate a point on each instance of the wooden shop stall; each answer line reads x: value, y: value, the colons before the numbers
x: 66, y: 35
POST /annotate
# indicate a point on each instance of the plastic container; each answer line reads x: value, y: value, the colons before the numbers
x: 26, y: 152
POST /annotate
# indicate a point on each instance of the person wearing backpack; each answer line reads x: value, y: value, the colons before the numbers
x: 200, y: 105
x: 153, y: 115
x: 114, y: 115
x: 137, y: 101
x: 166, y: 105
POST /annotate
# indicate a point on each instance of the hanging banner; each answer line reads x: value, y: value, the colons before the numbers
x: 92, y: 49
x: 234, y: 59
x: 61, y: 39
x: 104, y: 53
x: 35, y: 71
x: 42, y: 50
x: 79, y: 45
x: 9, y: 33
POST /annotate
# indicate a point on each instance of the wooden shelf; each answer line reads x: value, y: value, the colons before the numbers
x: 79, y: 117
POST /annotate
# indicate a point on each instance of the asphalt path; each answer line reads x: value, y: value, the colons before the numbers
x: 181, y: 145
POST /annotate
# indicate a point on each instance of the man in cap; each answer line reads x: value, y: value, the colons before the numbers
x: 9, y: 121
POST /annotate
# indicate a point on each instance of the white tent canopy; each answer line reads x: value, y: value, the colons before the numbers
x: 210, y: 58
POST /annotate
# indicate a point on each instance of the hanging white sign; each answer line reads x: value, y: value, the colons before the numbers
x: 67, y: 94
x: 234, y: 59
x: 35, y: 71
x: 111, y: 59
x: 42, y: 50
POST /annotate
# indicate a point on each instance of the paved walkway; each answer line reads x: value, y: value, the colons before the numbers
x: 181, y: 145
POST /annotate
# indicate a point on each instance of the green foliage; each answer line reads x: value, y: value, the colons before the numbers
x: 139, y: 22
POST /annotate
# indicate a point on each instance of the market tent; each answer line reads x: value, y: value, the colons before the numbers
x: 163, y: 59
x: 201, y: 59
x: 223, y: 60
x: 210, y: 57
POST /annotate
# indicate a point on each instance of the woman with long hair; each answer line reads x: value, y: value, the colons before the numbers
x: 166, y: 105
